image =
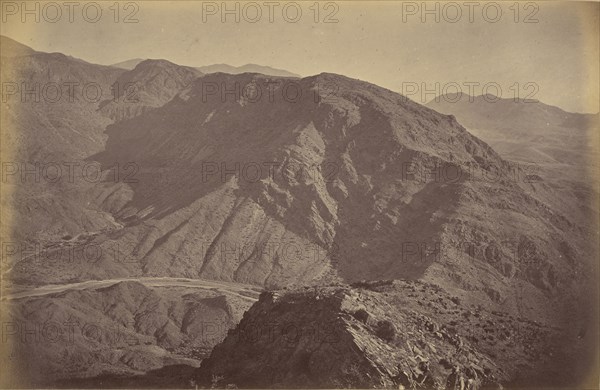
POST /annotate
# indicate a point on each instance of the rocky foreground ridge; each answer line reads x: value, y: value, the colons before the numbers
x: 388, y: 334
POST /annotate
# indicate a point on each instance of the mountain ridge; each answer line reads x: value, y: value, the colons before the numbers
x: 223, y: 68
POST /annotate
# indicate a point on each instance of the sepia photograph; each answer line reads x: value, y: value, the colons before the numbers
x: 300, y: 194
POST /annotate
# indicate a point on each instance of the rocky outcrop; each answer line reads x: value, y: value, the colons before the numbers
x: 410, y: 335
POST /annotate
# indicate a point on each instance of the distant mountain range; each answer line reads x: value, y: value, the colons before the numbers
x: 221, y: 68
x: 561, y: 144
x: 129, y: 64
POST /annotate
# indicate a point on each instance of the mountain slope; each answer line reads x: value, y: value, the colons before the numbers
x: 123, y: 329
x: 560, y: 149
x: 11, y: 48
x: 50, y: 123
x: 60, y: 112
x: 51, y: 131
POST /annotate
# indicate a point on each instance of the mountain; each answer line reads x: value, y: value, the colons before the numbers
x: 173, y: 143
x: 528, y: 131
x: 65, y: 92
x: 129, y: 64
x: 151, y: 84
x: 52, y: 131
x: 278, y: 193
x: 50, y: 123
x: 58, y: 202
x: 248, y: 68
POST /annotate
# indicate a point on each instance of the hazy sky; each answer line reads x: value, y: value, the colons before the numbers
x: 386, y: 43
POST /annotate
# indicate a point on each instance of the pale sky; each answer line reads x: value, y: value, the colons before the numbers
x: 558, y: 55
